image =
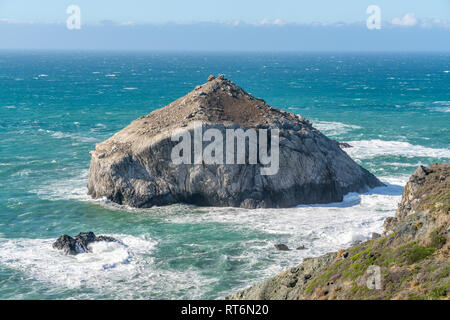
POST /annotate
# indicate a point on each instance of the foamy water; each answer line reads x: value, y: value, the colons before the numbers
x: 111, y: 266
x: 366, y: 149
x: 334, y: 127
x: 319, y: 228
x: 111, y: 269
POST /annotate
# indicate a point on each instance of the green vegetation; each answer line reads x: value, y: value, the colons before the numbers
x: 417, y: 253
x: 437, y: 240
x: 440, y: 292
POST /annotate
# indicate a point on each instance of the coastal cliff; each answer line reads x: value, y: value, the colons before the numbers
x: 134, y: 166
x: 412, y: 255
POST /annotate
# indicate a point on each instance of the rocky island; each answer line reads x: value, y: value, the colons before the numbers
x: 80, y: 243
x: 134, y: 167
x: 412, y: 256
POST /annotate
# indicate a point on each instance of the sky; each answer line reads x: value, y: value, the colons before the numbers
x: 251, y: 11
x: 408, y: 25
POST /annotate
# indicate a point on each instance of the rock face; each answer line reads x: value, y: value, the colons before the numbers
x: 288, y: 285
x: 134, y: 166
x: 413, y: 255
x: 80, y: 243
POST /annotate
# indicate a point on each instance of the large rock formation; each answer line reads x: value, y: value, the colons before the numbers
x: 134, y: 166
x: 413, y: 255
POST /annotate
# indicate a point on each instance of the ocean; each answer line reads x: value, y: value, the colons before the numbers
x: 393, y: 108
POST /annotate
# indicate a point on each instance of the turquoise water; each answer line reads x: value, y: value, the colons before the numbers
x: 55, y: 106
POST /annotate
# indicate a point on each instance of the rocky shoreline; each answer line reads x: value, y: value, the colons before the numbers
x: 412, y: 256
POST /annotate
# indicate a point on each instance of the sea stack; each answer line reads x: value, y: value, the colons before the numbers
x: 135, y: 166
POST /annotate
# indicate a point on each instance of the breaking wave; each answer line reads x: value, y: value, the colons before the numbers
x: 366, y: 149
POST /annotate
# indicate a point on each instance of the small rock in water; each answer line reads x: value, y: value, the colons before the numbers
x: 282, y: 247
x: 376, y: 235
x: 343, y: 145
x: 79, y: 244
x: 302, y: 247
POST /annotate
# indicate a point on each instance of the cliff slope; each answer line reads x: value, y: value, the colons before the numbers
x: 413, y: 255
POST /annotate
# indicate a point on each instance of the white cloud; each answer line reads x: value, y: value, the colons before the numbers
x: 278, y: 22
x: 14, y: 21
x: 128, y: 23
x: 430, y: 23
x: 267, y: 22
x: 408, y: 20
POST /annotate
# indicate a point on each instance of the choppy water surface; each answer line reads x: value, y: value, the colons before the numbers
x: 55, y: 106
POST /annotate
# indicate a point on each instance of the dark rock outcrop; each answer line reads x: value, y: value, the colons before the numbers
x: 134, y: 166
x: 413, y: 255
x: 80, y: 243
x: 343, y: 145
x: 281, y: 247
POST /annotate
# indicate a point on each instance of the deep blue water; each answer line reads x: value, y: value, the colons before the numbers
x: 55, y: 106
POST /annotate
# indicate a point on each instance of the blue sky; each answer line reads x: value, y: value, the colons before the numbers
x: 250, y: 11
x: 226, y: 25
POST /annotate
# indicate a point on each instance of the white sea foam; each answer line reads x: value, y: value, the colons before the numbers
x: 403, y: 164
x: 73, y: 188
x: 320, y: 228
x: 125, y: 271
x: 130, y: 88
x: 22, y: 173
x: 441, y: 106
x: 66, y: 135
x: 366, y: 149
x: 37, y: 258
x: 443, y: 103
x: 334, y: 128
x: 118, y: 270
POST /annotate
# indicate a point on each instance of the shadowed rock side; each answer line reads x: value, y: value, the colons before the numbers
x: 413, y: 254
x: 134, y: 166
